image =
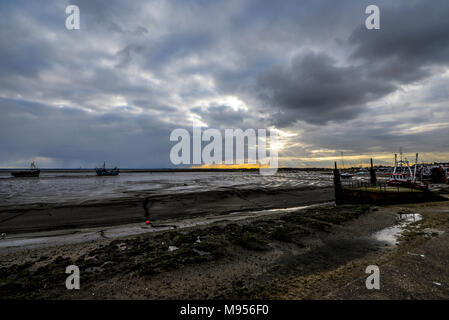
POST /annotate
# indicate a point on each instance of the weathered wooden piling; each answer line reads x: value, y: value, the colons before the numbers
x: 339, y: 196
x: 372, y: 174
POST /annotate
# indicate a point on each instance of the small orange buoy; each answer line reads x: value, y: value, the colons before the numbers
x: 147, y: 222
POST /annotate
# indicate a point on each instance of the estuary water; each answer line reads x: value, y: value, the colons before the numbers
x: 77, y: 187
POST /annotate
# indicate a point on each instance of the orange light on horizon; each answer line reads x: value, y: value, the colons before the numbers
x: 231, y: 166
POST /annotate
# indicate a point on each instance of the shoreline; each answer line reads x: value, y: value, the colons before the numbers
x: 315, y: 253
x: 170, y: 169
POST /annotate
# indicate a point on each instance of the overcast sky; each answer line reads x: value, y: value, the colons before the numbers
x: 136, y: 70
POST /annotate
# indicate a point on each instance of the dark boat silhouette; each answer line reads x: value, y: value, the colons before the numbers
x: 103, y: 171
x: 33, y: 172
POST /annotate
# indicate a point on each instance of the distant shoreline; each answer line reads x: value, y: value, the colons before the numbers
x: 172, y: 170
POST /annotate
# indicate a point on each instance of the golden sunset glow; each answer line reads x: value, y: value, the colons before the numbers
x: 231, y: 166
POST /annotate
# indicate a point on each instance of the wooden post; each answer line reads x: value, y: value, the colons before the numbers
x: 372, y: 174
x: 337, y: 186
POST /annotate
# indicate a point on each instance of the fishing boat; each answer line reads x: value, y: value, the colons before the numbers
x: 33, y: 172
x: 403, y: 176
x: 103, y: 171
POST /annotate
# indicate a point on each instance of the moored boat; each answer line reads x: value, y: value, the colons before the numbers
x: 403, y: 176
x: 33, y: 172
x: 103, y: 171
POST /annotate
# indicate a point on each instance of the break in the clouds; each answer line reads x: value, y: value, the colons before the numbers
x: 114, y: 89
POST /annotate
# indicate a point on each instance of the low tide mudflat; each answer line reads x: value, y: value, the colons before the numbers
x: 315, y: 253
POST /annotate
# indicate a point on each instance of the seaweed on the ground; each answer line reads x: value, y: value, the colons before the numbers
x: 147, y: 255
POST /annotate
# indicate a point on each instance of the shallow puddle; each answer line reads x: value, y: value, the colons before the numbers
x: 391, y: 234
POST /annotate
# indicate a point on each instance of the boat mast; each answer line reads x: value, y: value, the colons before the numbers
x: 395, y: 162
x: 416, y: 166
x: 409, y: 169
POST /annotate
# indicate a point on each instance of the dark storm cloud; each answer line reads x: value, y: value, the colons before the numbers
x: 222, y: 116
x: 414, y: 37
x: 314, y: 89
